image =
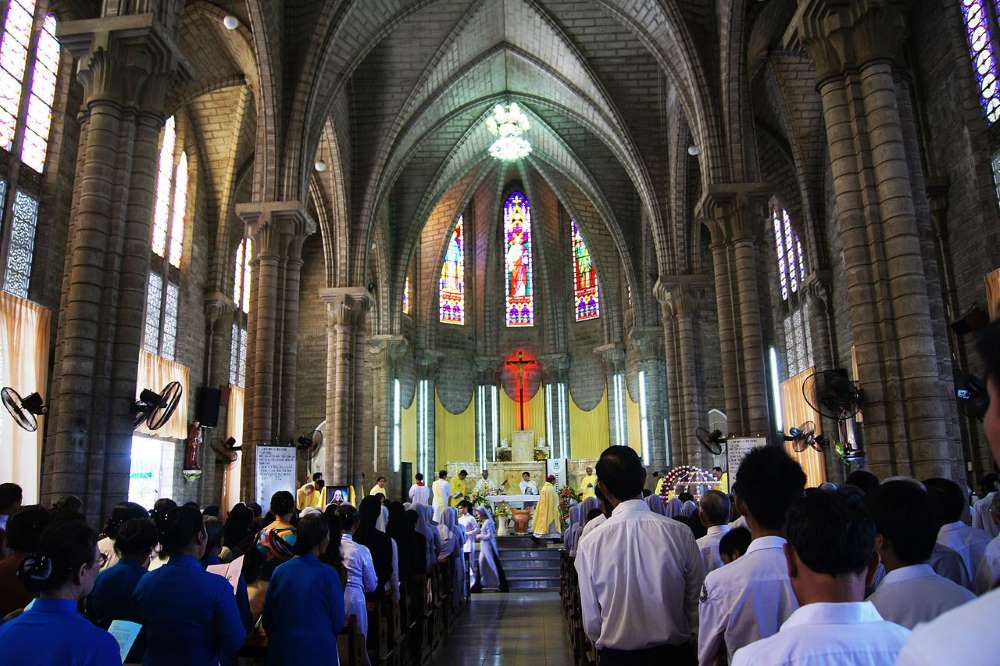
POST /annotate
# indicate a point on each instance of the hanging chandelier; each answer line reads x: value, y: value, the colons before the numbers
x: 508, y: 123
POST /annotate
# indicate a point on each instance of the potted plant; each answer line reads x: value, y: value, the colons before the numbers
x: 503, y: 515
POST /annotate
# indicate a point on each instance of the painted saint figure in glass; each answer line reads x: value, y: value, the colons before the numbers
x: 584, y: 279
x: 517, y: 236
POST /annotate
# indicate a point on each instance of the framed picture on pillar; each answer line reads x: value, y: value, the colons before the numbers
x: 338, y: 495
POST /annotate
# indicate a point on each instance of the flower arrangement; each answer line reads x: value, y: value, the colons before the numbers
x: 478, y: 500
x: 567, y: 498
x: 541, y: 455
x: 502, y: 510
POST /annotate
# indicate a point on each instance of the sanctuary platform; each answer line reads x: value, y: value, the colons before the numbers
x: 530, y: 565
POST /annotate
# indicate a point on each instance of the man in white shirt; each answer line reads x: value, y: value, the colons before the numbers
x: 968, y: 634
x: 483, y: 485
x: 748, y: 599
x: 982, y: 517
x: 419, y: 493
x: 637, y: 609
x: 911, y: 592
x: 528, y: 486
x: 468, y: 524
x: 988, y: 573
x: 713, y: 514
x: 441, y: 491
x: 948, y: 503
x: 830, y: 558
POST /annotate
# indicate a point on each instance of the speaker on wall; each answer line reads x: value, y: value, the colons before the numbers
x: 405, y: 480
x: 207, y: 410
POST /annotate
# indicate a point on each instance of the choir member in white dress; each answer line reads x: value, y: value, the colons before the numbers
x: 357, y: 560
x: 948, y: 503
x: 420, y: 493
x: 442, y: 495
x: 911, y: 592
x: 749, y: 599
x: 470, y: 526
x: 491, y: 573
x: 637, y: 609
x: 830, y: 553
x: 713, y: 514
x: 967, y: 636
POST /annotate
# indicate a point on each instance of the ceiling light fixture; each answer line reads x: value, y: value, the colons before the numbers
x: 320, y: 166
x: 694, y: 150
x: 508, y: 123
x: 231, y: 22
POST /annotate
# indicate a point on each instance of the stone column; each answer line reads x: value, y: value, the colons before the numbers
x: 556, y: 369
x: 855, y: 45
x: 675, y: 417
x: 346, y: 306
x: 385, y: 351
x: 126, y: 63
x: 613, y: 357
x: 487, y: 368
x: 278, y: 230
x: 428, y: 362
x: 644, y: 349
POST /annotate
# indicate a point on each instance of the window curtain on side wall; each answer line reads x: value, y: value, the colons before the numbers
x: 234, y: 428
x: 155, y: 372
x: 589, y: 432
x: 795, y: 411
x: 24, y: 355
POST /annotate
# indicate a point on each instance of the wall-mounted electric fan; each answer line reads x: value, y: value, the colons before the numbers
x: 24, y: 410
x: 713, y: 441
x: 226, y: 451
x: 156, y: 408
x: 802, y: 437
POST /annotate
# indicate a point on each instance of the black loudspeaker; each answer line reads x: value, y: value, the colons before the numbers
x: 207, y: 410
x: 405, y: 480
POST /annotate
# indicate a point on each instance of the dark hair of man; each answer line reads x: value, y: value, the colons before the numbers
x: 135, y: 538
x: 381, y: 478
x: 735, y: 542
x: 466, y: 504
x: 211, y: 510
x: 769, y: 481
x: 317, y: 476
x: 463, y: 472
x: 164, y: 504
x: 213, y: 532
x: 177, y: 528
x: 863, y: 479
x: 193, y: 505
x: 443, y: 474
x: 831, y: 533
x: 621, y: 471
x: 525, y: 473
x: 334, y: 525
x: 348, y: 516
x: 68, y: 504
x: 10, y: 495
x: 256, y: 508
x: 594, y: 513
x: 282, y: 503
x: 901, y: 511
x: 419, y: 477
x: 311, y: 531
x: 62, y: 550
x: 686, y: 497
x: 25, y: 526
x: 947, y: 500
x: 123, y: 511
x: 988, y: 346
x: 238, y: 527
x: 987, y: 484
x: 716, y: 469
x: 715, y: 507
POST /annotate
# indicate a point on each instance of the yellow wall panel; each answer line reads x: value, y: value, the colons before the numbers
x: 589, y: 432
x: 408, y: 433
x: 634, y: 420
x: 454, y: 434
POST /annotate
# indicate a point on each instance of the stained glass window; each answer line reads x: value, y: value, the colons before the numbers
x: 452, y: 284
x: 788, y: 248
x: 241, y: 296
x: 241, y: 276
x: 238, y: 356
x: 13, y: 59
x: 996, y: 175
x: 982, y: 53
x: 43, y: 93
x: 171, y: 198
x: 584, y: 279
x: 407, y: 297
x: 22, y: 244
x: 154, y: 300
x: 520, y: 304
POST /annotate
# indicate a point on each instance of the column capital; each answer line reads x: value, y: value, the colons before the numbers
x: 346, y: 305
x: 676, y: 293
x: 733, y: 212
x: 428, y: 363
x: 555, y: 366
x: 613, y: 356
x: 487, y: 368
x: 841, y: 35
x: 128, y: 59
x: 816, y: 288
x: 388, y: 349
x: 217, y: 305
x: 276, y: 227
x: 643, y: 343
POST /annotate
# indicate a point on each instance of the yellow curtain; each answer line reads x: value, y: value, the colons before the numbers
x: 634, y: 421
x: 408, y: 433
x: 534, y: 415
x: 589, y: 431
x: 234, y: 428
x: 795, y: 411
x: 155, y: 372
x: 454, y: 434
x: 24, y: 355
x: 992, y: 294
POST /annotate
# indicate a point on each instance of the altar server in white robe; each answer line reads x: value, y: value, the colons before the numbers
x: 748, y: 599
x: 949, y: 503
x: 357, y: 560
x: 491, y: 573
x: 468, y: 523
x: 419, y: 492
x: 442, y: 495
x: 911, y: 592
x: 713, y: 514
x: 830, y: 558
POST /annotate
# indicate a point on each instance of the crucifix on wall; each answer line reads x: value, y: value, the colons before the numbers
x: 520, y: 364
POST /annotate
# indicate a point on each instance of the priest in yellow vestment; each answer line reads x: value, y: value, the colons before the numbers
x: 458, y: 489
x: 547, y: 522
x: 588, y: 483
x: 312, y: 493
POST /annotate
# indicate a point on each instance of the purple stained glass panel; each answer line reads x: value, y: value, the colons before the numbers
x: 22, y: 244
x: 154, y: 305
x: 585, y: 288
x: 170, y: 307
x: 33, y: 151
x: 520, y: 304
x: 451, y: 287
x: 982, y: 55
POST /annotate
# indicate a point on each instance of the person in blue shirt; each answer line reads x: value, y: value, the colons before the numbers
x: 52, y: 632
x: 189, y: 615
x: 304, y: 606
x: 213, y: 546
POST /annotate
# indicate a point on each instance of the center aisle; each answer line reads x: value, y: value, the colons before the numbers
x: 514, y: 629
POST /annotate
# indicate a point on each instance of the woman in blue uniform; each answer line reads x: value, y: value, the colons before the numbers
x: 189, y: 614
x: 112, y: 595
x: 51, y: 632
x: 304, y: 607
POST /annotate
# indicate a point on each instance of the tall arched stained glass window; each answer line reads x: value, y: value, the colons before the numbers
x: 982, y: 53
x: 584, y: 279
x: 407, y: 296
x: 241, y: 296
x: 452, y: 285
x: 520, y: 304
x: 788, y: 248
x: 791, y: 275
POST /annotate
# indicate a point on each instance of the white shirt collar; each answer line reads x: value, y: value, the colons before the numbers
x: 717, y: 529
x: 765, y: 543
x: 856, y: 612
x: 630, y: 506
x: 909, y: 573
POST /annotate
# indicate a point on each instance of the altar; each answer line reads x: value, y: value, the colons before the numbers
x: 515, y: 501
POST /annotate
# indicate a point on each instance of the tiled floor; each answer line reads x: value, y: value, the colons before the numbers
x: 514, y: 629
